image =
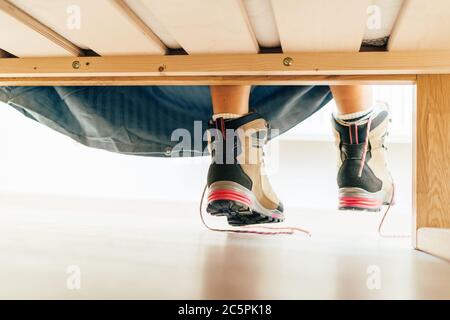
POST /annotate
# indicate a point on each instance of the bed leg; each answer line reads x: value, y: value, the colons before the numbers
x: 432, y: 166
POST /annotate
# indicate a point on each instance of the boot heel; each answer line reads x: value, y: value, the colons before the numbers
x: 228, y: 194
x: 226, y: 198
x: 359, y: 199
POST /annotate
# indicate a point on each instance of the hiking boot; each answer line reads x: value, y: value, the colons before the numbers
x: 364, y: 180
x: 237, y: 187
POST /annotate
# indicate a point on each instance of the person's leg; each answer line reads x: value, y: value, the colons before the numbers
x: 230, y: 99
x: 360, y: 128
x: 237, y: 188
x: 352, y: 99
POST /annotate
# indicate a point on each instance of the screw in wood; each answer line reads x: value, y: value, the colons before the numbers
x: 288, y: 61
x: 76, y: 64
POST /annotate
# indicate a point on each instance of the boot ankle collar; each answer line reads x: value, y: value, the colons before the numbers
x: 234, y: 124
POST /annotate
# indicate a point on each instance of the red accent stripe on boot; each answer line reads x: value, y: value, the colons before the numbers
x: 360, y: 202
x: 225, y: 194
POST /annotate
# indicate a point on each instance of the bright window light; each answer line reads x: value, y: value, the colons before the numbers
x: 400, y: 99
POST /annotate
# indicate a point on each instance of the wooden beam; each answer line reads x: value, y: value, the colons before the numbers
x: 432, y: 152
x: 435, y: 241
x: 40, y: 28
x: 209, y: 80
x: 358, y: 63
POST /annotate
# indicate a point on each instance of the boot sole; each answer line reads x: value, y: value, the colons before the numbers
x: 238, y: 205
x: 361, y: 200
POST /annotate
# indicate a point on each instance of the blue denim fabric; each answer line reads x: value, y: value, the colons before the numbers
x: 141, y: 120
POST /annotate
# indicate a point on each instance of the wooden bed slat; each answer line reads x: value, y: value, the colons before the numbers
x: 22, y: 40
x: 103, y: 26
x: 261, y: 17
x: 422, y: 25
x: 152, y: 22
x: 321, y: 25
x: 206, y: 26
x: 137, y: 21
x: 27, y: 20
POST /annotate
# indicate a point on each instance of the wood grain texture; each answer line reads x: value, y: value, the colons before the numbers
x: 127, y: 249
x: 209, y: 80
x: 422, y: 25
x: 326, y: 64
x: 435, y: 241
x: 432, y: 152
x: 321, y: 25
x: 205, y: 26
x: 103, y: 26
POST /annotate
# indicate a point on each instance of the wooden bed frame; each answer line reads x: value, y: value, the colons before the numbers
x: 405, y: 62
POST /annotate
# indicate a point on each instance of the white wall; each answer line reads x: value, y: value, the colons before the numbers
x: 35, y: 159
